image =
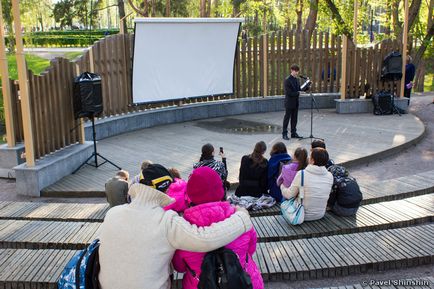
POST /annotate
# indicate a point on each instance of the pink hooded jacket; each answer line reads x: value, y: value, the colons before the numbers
x: 287, y: 175
x: 177, y: 190
x: 244, y: 246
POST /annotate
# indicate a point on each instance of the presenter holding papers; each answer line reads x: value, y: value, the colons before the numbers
x: 292, y: 93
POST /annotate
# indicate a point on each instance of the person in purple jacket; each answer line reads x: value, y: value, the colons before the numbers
x: 299, y: 162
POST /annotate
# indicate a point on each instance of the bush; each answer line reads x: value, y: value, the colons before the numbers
x: 70, y: 38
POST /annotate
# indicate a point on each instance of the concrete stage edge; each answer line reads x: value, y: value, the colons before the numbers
x: 351, y: 138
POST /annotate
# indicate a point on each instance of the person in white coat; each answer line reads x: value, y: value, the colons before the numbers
x: 317, y: 185
x: 138, y: 240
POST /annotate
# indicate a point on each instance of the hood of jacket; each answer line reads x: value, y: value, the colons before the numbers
x: 208, y: 213
x: 274, y: 163
x: 142, y: 195
x: 316, y: 170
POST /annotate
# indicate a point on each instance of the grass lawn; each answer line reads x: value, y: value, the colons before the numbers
x: 35, y: 63
x: 73, y: 55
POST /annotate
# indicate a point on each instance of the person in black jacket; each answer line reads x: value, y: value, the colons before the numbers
x: 253, y: 173
x: 410, y: 71
x: 292, y: 93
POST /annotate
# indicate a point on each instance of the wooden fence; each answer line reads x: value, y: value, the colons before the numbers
x: 364, y: 69
x: 319, y: 58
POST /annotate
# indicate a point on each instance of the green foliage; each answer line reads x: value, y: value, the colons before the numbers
x: 71, y: 38
x: 63, y: 13
x: 35, y: 63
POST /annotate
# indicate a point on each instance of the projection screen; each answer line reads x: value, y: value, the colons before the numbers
x: 177, y: 58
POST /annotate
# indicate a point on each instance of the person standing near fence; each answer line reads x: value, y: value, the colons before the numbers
x: 410, y: 71
x: 292, y: 93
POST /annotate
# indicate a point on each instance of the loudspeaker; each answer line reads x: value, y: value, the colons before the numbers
x: 87, y: 95
x: 392, y: 67
x: 383, y: 103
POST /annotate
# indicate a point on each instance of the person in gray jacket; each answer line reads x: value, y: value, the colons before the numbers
x: 317, y: 185
x: 138, y: 240
x: 116, y: 189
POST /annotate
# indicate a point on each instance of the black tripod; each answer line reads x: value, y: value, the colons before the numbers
x: 394, y: 108
x: 313, y: 104
x: 95, y: 154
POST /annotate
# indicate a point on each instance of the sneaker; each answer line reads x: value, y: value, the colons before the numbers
x: 295, y: 135
x: 285, y: 136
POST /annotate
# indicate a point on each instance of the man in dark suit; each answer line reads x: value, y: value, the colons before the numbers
x: 292, y: 93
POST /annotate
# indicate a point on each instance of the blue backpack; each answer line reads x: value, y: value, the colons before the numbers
x: 82, y: 270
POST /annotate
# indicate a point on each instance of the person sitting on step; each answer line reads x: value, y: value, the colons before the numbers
x: 279, y: 157
x: 206, y: 207
x: 299, y: 162
x: 317, y: 185
x: 138, y: 240
x: 116, y: 189
x: 253, y: 173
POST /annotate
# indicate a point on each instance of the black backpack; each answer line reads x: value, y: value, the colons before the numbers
x: 221, y: 269
x: 345, y: 187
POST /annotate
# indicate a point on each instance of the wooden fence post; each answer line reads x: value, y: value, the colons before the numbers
x: 81, y: 134
x: 344, y: 67
x: 6, y: 86
x: 265, y: 54
x: 24, y: 87
x: 404, y: 48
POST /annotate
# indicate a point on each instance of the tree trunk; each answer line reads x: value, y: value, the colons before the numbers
x: 311, y: 19
x: 167, y: 8
x: 412, y: 15
x: 202, y: 8
x: 299, y: 11
x: 395, y: 17
x: 419, y: 78
x: 121, y: 10
x: 425, y: 42
x: 343, y: 28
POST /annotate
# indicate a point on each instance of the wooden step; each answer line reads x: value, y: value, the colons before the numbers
x: 36, y: 234
x: 301, y: 259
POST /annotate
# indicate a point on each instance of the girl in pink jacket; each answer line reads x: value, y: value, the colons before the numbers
x: 299, y: 162
x: 206, y: 194
x: 177, y: 191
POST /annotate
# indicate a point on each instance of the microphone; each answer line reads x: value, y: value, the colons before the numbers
x: 304, y: 77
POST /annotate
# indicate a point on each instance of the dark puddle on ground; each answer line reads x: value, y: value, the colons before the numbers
x: 238, y: 126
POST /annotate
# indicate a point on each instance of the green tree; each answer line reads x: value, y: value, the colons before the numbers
x: 63, y: 13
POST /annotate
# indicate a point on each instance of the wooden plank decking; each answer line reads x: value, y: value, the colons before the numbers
x: 332, y: 256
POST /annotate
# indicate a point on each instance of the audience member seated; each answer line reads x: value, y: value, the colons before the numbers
x: 317, y: 143
x: 317, y: 185
x: 205, y: 193
x: 299, y: 162
x: 345, y: 197
x: 116, y: 189
x: 279, y: 157
x: 177, y: 191
x: 253, y: 173
x: 144, y: 165
x: 138, y: 240
x: 207, y: 160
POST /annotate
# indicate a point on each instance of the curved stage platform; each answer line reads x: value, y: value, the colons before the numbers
x: 354, y: 138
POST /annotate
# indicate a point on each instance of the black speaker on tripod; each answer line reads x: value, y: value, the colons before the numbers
x: 392, y: 67
x: 87, y: 102
x: 87, y: 93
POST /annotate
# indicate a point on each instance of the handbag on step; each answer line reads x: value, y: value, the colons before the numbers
x: 293, y: 209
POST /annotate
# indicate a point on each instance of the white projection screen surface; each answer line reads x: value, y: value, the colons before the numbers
x: 179, y: 58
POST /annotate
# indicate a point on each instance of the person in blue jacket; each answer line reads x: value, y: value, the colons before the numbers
x: 279, y: 157
x: 410, y: 71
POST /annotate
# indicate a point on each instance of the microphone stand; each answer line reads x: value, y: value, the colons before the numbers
x: 313, y: 104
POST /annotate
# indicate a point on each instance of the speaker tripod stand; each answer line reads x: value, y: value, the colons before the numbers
x: 95, y: 153
x: 312, y: 105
